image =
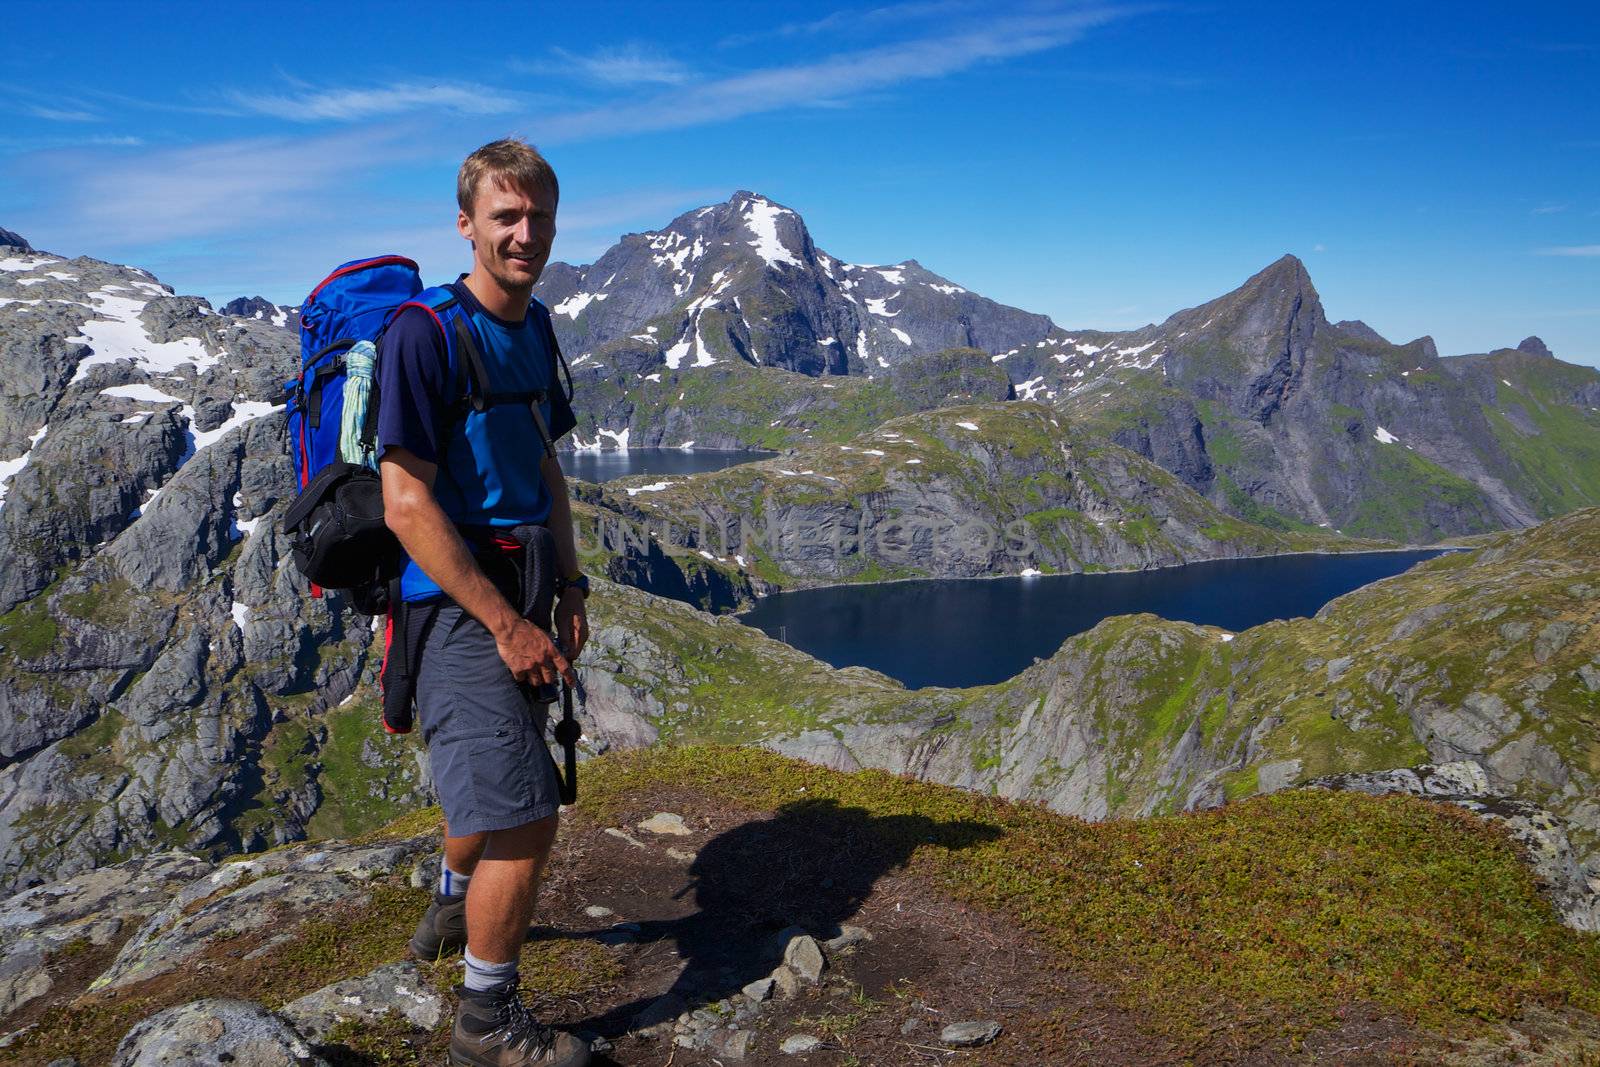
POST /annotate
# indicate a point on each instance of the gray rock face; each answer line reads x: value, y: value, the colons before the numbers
x: 276, y: 889
x: 259, y: 308
x: 11, y: 239
x: 153, y: 613
x: 743, y: 280
x: 958, y: 492
x: 92, y: 909
x: 238, y: 1032
x: 397, y: 989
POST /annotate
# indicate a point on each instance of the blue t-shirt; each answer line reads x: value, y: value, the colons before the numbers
x: 489, y: 462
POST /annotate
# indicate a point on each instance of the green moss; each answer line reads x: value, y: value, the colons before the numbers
x: 28, y: 630
x: 1267, y: 916
x: 362, y: 768
x: 1409, y: 485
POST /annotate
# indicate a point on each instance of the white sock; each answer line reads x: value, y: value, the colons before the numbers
x: 482, y: 975
x: 452, y: 884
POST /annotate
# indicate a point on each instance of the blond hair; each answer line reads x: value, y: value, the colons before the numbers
x: 510, y: 161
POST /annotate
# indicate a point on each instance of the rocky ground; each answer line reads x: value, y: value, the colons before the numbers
x: 710, y: 906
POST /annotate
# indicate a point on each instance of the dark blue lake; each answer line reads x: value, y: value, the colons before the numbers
x: 978, y: 631
x: 602, y: 466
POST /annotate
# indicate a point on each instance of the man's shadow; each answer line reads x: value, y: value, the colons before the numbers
x: 811, y: 865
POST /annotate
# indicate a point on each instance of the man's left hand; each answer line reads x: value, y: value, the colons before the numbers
x: 572, y: 623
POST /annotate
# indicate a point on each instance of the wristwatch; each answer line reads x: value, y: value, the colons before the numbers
x: 580, y: 583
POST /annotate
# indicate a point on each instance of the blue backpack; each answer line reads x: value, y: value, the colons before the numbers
x: 335, y: 526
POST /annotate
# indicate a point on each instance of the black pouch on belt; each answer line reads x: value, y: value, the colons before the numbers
x: 406, y: 629
x: 537, y: 605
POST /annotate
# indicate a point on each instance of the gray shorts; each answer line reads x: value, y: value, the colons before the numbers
x: 486, y: 743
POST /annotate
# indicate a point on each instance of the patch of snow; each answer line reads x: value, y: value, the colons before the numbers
x: 998, y: 357
x: 913, y: 461
x: 872, y: 452
x: 1030, y: 572
x: 140, y: 392
x: 687, y: 445
x: 243, y: 411
x: 947, y: 290
x: 761, y: 218
x: 1385, y: 436
x: 827, y: 340
x: 1225, y: 637
x: 740, y: 561
x: 654, y: 377
x: 573, y: 305
x: 241, y: 615
x: 967, y: 425
x: 116, y: 333
x: 1028, y: 388
x: 27, y: 262
x: 881, y: 307
x: 1087, y: 350
x: 653, y: 487
x: 135, y: 419
x: 1502, y: 379
x: 905, y: 338
x: 10, y: 467
x: 896, y: 276
x: 621, y: 438
x: 706, y: 554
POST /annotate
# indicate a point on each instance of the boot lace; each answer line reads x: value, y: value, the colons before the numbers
x: 521, y: 1031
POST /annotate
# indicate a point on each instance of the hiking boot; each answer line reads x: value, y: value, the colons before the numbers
x: 443, y: 928
x: 495, y: 1029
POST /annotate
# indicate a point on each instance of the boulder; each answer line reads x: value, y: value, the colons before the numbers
x: 240, y: 1033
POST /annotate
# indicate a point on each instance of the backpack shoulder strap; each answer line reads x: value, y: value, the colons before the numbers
x: 542, y: 313
x: 436, y: 301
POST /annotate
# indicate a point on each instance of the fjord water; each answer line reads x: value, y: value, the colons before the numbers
x: 977, y: 631
x: 603, y: 466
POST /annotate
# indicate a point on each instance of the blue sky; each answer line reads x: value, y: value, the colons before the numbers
x: 1437, y: 166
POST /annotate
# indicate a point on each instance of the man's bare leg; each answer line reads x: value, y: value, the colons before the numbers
x: 505, y: 883
x: 461, y: 854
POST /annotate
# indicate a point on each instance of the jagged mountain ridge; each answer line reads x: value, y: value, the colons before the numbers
x: 743, y: 280
x: 1279, y: 416
x: 259, y: 307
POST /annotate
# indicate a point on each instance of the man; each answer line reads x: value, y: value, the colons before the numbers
x: 449, y: 468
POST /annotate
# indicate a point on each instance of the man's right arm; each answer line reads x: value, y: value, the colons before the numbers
x: 432, y: 542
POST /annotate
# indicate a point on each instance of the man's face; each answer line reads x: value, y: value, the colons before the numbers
x: 511, y: 229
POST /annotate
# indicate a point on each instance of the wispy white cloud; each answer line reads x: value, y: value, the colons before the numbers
x: 849, y: 21
x: 829, y: 79
x: 624, y: 65
x: 117, y: 201
x: 56, y: 114
x: 1569, y: 250
x: 1550, y: 208
x: 348, y: 105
